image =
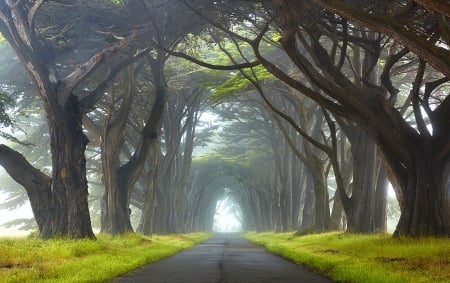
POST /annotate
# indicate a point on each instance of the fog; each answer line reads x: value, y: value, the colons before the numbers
x: 6, y: 215
x: 226, y: 218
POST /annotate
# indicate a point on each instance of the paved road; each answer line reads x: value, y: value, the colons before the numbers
x: 225, y: 258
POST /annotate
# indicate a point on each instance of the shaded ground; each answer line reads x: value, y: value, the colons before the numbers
x: 225, y: 258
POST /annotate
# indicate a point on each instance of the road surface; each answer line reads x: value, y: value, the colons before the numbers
x: 225, y: 258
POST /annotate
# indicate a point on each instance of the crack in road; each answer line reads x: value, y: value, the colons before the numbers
x: 222, y: 263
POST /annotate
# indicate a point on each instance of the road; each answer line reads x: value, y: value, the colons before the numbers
x: 225, y: 258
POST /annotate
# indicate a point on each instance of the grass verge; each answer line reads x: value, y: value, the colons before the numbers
x: 61, y: 260
x: 345, y: 257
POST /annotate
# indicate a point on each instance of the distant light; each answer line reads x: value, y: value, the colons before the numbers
x: 225, y: 219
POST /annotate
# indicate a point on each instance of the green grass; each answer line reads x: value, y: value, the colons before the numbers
x: 61, y: 260
x: 345, y: 257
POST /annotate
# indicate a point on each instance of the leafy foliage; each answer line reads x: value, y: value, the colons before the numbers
x: 237, y: 83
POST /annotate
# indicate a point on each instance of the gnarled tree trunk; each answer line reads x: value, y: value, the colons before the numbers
x: 68, y: 143
x: 424, y: 200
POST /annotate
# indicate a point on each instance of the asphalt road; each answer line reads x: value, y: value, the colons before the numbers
x: 225, y: 258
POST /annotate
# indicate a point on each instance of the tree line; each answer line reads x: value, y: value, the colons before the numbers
x: 349, y: 92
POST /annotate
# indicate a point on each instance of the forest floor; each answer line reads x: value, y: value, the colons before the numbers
x: 346, y: 257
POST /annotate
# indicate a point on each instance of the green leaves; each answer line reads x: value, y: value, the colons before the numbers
x: 238, y: 83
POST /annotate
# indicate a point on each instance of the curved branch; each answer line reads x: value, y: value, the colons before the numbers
x: 346, y: 200
x: 436, y: 56
x: 385, y: 75
x: 20, y: 169
x: 32, y: 13
x: 36, y: 184
x: 277, y: 72
x: 344, y: 44
x: 209, y: 65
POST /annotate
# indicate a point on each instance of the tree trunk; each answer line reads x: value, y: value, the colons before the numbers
x: 337, y: 213
x: 146, y: 221
x: 115, y: 213
x: 68, y: 143
x: 308, y: 216
x: 360, y: 216
x: 120, y: 181
x: 424, y: 204
x: 115, y: 207
x: 380, y: 217
x: 321, y: 205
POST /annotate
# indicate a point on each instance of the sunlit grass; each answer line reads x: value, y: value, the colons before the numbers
x: 364, y: 258
x: 60, y: 260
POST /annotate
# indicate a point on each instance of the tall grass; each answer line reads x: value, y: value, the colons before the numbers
x: 60, y: 260
x: 364, y: 258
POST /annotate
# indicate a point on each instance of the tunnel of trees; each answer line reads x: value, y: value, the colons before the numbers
x: 145, y: 115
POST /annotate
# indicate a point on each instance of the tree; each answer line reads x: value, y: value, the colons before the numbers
x: 417, y: 158
x: 60, y: 202
x: 172, y: 190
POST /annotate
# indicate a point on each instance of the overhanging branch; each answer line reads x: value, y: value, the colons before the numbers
x: 436, y: 56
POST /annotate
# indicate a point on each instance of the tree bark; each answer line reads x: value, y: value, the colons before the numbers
x: 68, y: 144
x: 36, y: 184
x: 424, y: 206
x: 380, y: 217
x: 147, y: 216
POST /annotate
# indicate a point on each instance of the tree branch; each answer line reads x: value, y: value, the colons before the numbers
x: 208, y: 65
x: 87, y: 102
x: 438, y: 6
x: 436, y: 56
x: 386, y: 74
x: 421, y: 126
x: 76, y: 77
x: 32, y: 13
x: 20, y: 169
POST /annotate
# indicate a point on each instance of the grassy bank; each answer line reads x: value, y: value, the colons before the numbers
x: 364, y: 258
x: 59, y: 260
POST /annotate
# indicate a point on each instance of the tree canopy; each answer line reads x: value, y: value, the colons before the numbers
x: 328, y: 99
